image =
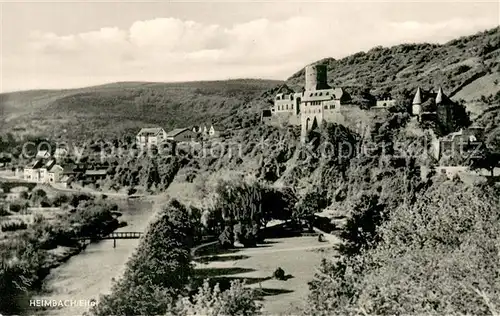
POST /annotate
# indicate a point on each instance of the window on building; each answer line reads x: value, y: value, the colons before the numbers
x: 332, y: 106
x: 326, y: 107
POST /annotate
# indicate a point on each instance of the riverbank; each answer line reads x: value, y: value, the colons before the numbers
x: 90, y: 273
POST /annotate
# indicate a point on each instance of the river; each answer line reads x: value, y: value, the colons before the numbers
x: 89, y: 274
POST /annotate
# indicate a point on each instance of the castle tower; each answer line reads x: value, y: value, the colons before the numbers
x: 441, y: 97
x: 316, y: 78
x: 417, y: 103
x: 443, y: 109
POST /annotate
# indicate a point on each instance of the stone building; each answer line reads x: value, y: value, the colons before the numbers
x: 428, y: 105
x: 317, y: 102
x: 462, y: 144
x: 384, y: 103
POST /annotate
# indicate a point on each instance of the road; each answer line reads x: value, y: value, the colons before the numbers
x: 61, y: 188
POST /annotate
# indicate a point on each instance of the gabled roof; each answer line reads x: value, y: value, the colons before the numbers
x: 43, y: 153
x: 50, y: 163
x: 441, y: 97
x: 35, y: 164
x: 98, y: 172
x: 151, y: 131
x: 69, y: 169
x: 284, y: 89
x: 176, y: 132
x: 54, y: 167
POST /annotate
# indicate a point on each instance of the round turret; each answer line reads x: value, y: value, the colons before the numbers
x: 316, y: 77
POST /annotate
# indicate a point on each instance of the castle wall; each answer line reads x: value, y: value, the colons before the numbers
x: 283, y: 119
x: 334, y: 116
x: 416, y: 109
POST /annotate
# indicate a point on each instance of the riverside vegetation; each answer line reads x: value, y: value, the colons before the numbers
x: 27, y: 249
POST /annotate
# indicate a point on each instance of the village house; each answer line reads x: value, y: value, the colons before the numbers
x: 151, y: 136
x: 16, y: 193
x: 465, y: 143
x: 181, y: 135
x: 32, y: 171
x: 39, y: 172
x: 97, y: 174
x: 54, y: 174
x: 384, y: 103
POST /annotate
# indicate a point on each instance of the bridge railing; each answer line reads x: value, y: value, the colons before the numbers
x: 115, y: 235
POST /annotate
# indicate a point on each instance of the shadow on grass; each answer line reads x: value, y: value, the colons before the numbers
x: 221, y: 258
x: 215, y: 249
x: 288, y: 277
x: 263, y: 292
x: 270, y: 242
x: 218, y: 272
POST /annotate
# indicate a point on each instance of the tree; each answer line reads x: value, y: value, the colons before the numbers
x: 157, y: 273
x: 486, y: 159
x: 313, y: 202
x: 437, y: 255
x: 237, y: 301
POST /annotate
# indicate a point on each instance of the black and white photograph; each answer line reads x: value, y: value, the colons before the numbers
x: 240, y: 158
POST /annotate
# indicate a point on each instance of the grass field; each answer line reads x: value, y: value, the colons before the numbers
x: 297, y: 256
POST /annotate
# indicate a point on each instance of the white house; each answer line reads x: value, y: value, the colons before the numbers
x: 54, y: 175
x: 38, y: 172
x: 151, y: 136
x: 32, y: 171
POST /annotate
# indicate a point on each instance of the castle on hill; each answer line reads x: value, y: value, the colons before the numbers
x: 429, y: 106
x: 316, y: 103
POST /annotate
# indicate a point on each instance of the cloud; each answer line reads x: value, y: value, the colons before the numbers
x: 171, y: 49
x: 439, y: 31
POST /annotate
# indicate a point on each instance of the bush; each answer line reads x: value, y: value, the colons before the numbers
x: 226, y: 238
x: 3, y: 210
x: 279, y: 274
x: 437, y: 255
x: 237, y: 300
x: 15, y: 207
x: 13, y: 226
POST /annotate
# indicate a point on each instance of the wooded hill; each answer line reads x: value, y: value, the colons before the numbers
x: 467, y: 68
x: 455, y: 66
x: 121, y: 108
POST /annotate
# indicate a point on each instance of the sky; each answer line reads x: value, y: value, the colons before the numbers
x: 63, y: 44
